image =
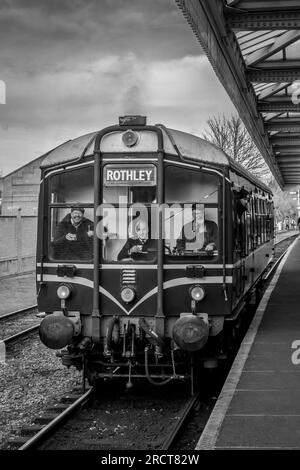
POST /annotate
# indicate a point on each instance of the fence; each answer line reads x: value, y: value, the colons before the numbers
x: 17, y: 244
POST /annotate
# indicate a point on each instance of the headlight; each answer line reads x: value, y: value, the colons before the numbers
x: 127, y: 294
x: 197, y: 293
x: 64, y: 291
x: 130, y: 138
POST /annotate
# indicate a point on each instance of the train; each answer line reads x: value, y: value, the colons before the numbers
x: 151, y: 241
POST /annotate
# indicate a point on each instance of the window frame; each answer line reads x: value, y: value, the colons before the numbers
x: 170, y: 259
x: 51, y: 206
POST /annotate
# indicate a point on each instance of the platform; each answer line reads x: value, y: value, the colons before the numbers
x: 259, y: 406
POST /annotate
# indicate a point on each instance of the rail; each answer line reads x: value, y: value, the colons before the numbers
x: 17, y: 312
x: 177, y: 429
x: 57, y: 421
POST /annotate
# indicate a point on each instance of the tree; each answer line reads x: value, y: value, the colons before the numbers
x: 233, y: 138
x: 284, y: 203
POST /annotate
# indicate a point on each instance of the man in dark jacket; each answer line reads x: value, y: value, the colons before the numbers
x: 199, y: 234
x: 73, y: 239
x: 242, y: 202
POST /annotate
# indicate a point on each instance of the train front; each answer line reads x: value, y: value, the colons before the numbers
x: 129, y: 269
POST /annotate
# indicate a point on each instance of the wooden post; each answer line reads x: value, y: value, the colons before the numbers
x: 19, y: 240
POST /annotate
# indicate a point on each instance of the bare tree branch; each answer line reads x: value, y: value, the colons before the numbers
x: 232, y: 137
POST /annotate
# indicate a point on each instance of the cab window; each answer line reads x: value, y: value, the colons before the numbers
x: 71, y: 215
x: 190, y: 215
x: 128, y: 221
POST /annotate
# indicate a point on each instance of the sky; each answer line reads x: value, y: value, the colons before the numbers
x: 69, y: 67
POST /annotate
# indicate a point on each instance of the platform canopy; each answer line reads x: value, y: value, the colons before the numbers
x: 254, y: 48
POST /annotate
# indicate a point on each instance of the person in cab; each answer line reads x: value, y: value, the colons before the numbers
x: 139, y: 248
x: 199, y: 234
x: 74, y: 236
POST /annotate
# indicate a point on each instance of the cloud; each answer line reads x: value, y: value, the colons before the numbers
x: 38, y: 36
x: 74, y: 66
x: 180, y: 93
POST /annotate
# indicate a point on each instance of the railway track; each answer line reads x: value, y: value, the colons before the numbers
x: 20, y: 334
x: 10, y: 324
x: 69, y: 430
x: 277, y: 258
x: 179, y: 426
x: 16, y: 313
x: 76, y: 426
x: 46, y: 425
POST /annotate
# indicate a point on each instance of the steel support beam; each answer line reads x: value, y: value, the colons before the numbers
x: 291, y: 147
x: 266, y: 5
x: 288, y: 165
x: 265, y: 20
x: 272, y: 90
x: 279, y: 65
x: 286, y: 159
x: 286, y: 150
x: 276, y: 99
x: 279, y: 43
x: 275, y: 71
x: 282, y: 124
x: 278, y: 105
x: 286, y: 139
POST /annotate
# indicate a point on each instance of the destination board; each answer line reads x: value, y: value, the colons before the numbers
x: 129, y: 175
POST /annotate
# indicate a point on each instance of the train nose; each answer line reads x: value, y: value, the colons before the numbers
x: 56, y: 331
x: 190, y: 332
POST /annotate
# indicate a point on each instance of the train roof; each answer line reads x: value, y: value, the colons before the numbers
x: 190, y: 146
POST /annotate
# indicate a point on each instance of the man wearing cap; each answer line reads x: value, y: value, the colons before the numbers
x: 241, y: 207
x: 242, y: 202
x: 74, y: 236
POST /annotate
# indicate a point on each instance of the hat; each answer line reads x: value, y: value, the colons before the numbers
x: 243, y: 194
x: 76, y: 208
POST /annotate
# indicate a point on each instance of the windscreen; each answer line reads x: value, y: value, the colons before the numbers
x: 71, y: 215
x: 190, y: 214
x: 128, y: 215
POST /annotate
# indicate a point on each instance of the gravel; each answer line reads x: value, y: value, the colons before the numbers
x: 16, y: 324
x: 30, y: 378
x: 135, y: 420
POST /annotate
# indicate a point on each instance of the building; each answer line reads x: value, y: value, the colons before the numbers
x: 20, y: 190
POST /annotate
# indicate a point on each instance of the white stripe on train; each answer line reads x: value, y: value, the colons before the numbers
x: 134, y: 266
x: 180, y: 281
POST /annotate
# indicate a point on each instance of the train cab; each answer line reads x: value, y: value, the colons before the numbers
x: 136, y: 249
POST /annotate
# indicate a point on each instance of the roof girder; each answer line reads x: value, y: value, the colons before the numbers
x: 277, y: 72
x: 286, y: 39
x: 286, y: 149
x: 271, y: 20
x: 278, y: 105
x: 272, y: 90
x: 282, y: 124
x: 287, y: 159
x: 264, y: 5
